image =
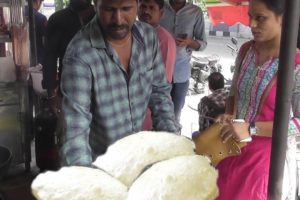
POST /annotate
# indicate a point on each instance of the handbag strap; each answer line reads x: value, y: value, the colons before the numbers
x: 243, y: 51
x: 265, y: 94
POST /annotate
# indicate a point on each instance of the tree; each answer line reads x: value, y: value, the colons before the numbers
x: 60, y: 4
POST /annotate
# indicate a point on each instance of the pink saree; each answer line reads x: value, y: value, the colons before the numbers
x: 246, y: 176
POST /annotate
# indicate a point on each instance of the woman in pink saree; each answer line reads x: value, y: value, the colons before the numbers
x: 252, y: 98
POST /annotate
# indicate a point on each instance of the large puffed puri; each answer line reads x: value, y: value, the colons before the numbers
x: 180, y: 178
x: 128, y: 157
x: 77, y: 183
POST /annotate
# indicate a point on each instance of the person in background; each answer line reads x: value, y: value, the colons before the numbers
x: 211, y: 106
x: 150, y: 11
x: 185, y: 22
x: 40, y: 29
x: 113, y: 70
x: 62, y: 26
x: 252, y: 99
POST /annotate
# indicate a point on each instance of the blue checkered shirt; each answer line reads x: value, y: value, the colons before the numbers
x: 101, y: 102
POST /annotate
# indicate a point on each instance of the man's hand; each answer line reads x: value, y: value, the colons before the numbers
x: 181, y: 42
x: 188, y: 42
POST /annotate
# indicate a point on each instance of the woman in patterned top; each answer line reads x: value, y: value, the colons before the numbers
x: 252, y: 98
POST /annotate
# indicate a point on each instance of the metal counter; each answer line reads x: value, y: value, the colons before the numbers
x: 14, y: 121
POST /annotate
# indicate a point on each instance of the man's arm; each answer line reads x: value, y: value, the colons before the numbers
x: 53, y: 39
x: 198, y: 42
x: 199, y: 33
x: 76, y: 84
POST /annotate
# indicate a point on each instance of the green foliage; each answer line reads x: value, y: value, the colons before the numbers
x: 201, y: 4
x: 211, y: 1
x: 60, y: 4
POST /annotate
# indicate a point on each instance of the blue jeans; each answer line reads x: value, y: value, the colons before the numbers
x: 178, y: 94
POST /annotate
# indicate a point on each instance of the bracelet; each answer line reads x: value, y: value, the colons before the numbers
x: 238, y: 120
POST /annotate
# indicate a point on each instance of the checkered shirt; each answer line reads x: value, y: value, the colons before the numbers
x: 101, y: 102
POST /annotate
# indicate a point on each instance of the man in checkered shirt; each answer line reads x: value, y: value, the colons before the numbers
x: 214, y: 104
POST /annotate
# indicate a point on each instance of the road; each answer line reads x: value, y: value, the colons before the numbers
x: 216, y: 45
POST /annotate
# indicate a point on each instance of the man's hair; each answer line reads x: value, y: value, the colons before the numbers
x: 298, y: 42
x: 160, y: 3
x: 36, y: 0
x: 79, y: 4
x: 95, y: 1
x: 216, y: 81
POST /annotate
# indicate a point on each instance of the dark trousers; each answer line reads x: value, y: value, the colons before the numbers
x: 178, y: 93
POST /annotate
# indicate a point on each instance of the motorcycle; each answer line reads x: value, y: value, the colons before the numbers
x: 201, y: 67
x: 234, y: 51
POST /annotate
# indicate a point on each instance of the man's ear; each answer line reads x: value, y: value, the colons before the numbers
x: 161, y: 12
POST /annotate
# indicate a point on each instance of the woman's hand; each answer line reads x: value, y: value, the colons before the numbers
x: 237, y: 130
x: 224, y: 119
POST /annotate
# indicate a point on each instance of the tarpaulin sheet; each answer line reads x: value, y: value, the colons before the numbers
x: 234, y: 2
x: 228, y: 14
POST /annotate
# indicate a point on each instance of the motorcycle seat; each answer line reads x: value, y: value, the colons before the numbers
x: 201, y: 60
x: 212, y: 58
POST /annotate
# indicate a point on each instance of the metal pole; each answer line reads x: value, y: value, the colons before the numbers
x: 32, y: 36
x: 283, y: 97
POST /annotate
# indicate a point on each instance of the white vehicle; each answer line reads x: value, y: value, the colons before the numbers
x: 48, y: 8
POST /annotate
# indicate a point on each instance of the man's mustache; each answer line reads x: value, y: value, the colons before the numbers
x: 146, y: 15
x: 116, y: 26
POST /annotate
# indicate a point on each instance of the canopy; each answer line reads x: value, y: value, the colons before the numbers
x: 229, y: 12
x: 235, y: 2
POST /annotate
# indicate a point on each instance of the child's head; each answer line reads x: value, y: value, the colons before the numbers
x: 215, y: 81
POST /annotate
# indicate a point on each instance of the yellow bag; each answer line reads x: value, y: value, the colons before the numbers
x: 210, y: 144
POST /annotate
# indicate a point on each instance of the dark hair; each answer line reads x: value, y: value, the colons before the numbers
x: 215, y: 81
x: 160, y: 3
x: 298, y: 41
x: 79, y: 5
x: 95, y: 1
x: 277, y: 6
x: 36, y: 0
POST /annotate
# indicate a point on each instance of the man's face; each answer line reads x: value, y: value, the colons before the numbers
x: 179, y: 1
x: 116, y: 17
x: 150, y: 12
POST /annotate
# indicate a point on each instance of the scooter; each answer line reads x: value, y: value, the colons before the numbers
x: 201, y: 67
